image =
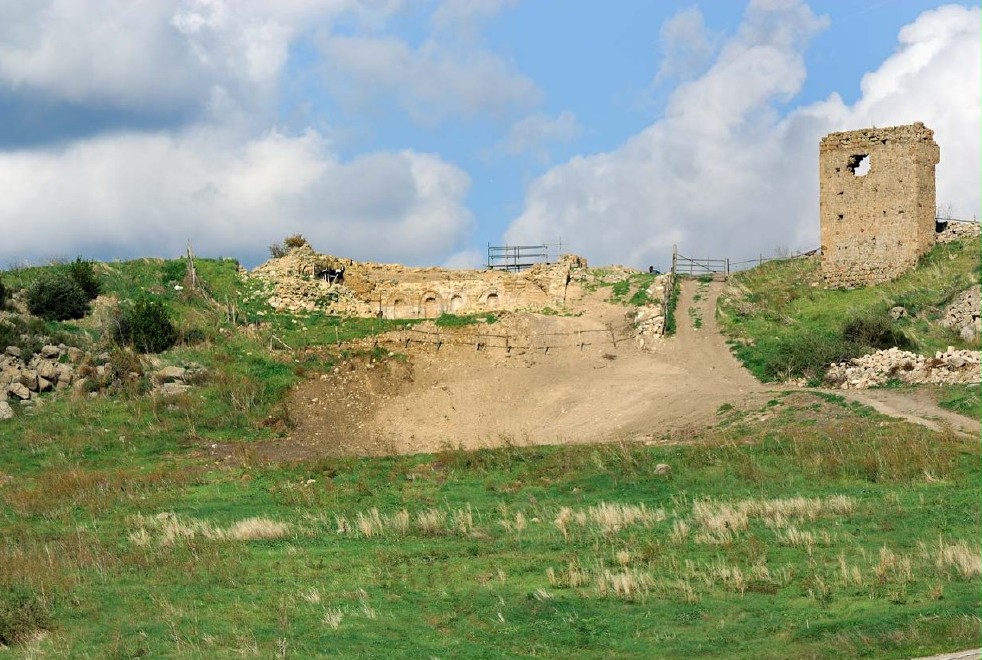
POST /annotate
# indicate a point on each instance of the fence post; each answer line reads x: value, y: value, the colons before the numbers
x: 675, y: 257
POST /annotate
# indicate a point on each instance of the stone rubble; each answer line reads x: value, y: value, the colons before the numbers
x: 43, y: 372
x: 945, y: 368
x: 956, y: 230
x: 963, y: 315
x: 650, y: 319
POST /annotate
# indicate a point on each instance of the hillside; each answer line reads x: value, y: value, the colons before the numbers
x: 247, y: 511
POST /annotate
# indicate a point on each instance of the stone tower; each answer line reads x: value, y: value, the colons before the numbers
x: 877, y: 201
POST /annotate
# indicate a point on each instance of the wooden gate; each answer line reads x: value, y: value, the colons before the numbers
x: 693, y: 267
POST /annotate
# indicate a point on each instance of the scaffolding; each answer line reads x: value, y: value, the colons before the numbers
x: 515, y: 258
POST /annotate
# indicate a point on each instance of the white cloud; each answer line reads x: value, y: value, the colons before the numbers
x: 687, y: 46
x: 723, y: 174
x: 535, y: 132
x: 149, y: 194
x: 436, y: 80
x: 140, y: 56
x: 466, y: 259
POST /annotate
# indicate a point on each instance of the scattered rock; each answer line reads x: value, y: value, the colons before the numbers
x: 18, y: 391
x: 170, y: 374
x: 945, y: 368
x: 173, y: 389
x: 898, y: 313
x: 12, y: 351
x: 50, y: 352
x: 6, y: 412
x: 663, y: 469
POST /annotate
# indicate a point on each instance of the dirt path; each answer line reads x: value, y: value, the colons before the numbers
x: 914, y: 406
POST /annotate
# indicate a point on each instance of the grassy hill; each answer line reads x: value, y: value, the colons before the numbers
x: 810, y: 528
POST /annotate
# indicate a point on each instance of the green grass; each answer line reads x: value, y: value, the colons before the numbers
x: 809, y: 528
x: 633, y: 290
x: 463, y: 320
x: 785, y: 324
x: 963, y: 399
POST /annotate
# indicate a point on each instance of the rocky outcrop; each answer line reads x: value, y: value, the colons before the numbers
x: 945, y: 368
x: 45, y: 371
x: 650, y: 319
x: 962, y: 315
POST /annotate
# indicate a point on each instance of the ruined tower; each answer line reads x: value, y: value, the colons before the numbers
x: 877, y: 201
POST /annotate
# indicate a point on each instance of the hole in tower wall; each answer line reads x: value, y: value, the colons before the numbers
x: 859, y: 164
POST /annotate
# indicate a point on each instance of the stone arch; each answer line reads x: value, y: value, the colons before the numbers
x: 430, y: 305
x: 457, y: 303
x: 491, y: 299
x: 399, y: 307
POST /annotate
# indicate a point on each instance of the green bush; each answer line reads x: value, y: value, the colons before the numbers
x: 3, y: 295
x: 875, y: 332
x: 83, y: 272
x: 174, y: 270
x: 807, y: 354
x: 56, y: 296
x: 146, y: 326
x: 22, y: 616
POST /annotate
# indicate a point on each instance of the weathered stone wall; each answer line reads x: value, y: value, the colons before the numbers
x: 400, y: 292
x: 876, y: 224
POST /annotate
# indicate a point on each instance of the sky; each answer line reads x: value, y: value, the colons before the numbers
x: 421, y: 131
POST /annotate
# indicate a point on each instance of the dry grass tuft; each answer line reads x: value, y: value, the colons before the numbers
x: 955, y: 557
x: 257, y: 529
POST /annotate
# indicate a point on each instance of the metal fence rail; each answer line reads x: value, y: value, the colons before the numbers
x: 515, y: 258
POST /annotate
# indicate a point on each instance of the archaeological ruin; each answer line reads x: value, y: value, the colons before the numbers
x: 305, y: 280
x: 877, y: 202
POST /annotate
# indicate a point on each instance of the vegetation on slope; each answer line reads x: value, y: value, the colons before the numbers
x: 784, y: 324
x: 810, y: 528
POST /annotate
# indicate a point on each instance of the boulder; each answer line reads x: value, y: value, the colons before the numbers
x: 50, y: 352
x: 6, y: 412
x: 170, y: 374
x: 18, y: 391
x: 44, y: 385
x: 29, y: 379
x: 75, y: 355
x: 173, y: 389
x: 12, y: 351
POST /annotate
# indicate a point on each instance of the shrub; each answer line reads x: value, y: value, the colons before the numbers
x: 875, y: 332
x: 295, y: 241
x: 146, y: 326
x: 807, y: 354
x: 57, y: 297
x: 174, y: 270
x: 22, y: 616
x: 83, y: 272
x: 3, y: 295
x: 277, y: 251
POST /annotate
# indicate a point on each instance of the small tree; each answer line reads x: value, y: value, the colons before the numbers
x: 146, y: 326
x: 83, y: 272
x: 294, y: 241
x: 57, y: 297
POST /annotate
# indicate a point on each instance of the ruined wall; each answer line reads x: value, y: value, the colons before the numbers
x: 394, y: 291
x: 876, y: 223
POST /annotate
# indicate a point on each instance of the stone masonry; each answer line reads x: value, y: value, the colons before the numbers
x: 877, y: 201
x: 394, y: 291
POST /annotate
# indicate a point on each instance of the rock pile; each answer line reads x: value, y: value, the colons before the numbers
x: 963, y: 316
x: 955, y: 230
x: 43, y: 372
x: 945, y: 368
x: 650, y: 319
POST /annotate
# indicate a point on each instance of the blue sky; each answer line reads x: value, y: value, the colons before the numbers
x: 421, y: 130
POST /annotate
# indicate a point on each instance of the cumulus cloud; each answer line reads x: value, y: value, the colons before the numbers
x: 687, y: 47
x: 151, y: 193
x: 724, y: 173
x: 220, y: 174
x: 536, y: 132
x: 431, y: 82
